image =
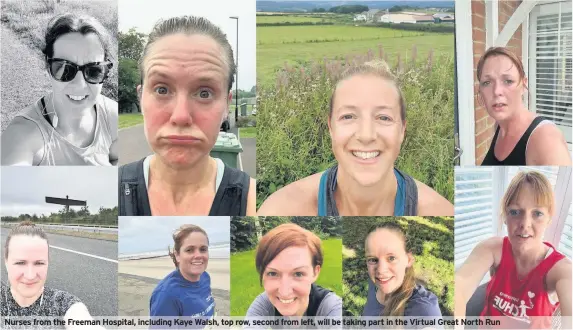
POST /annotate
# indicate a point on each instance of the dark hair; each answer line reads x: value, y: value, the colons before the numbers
x: 397, y: 300
x: 179, y: 235
x: 191, y: 25
x: 500, y: 51
x: 27, y: 228
x: 70, y: 23
x: 282, y: 237
x: 378, y: 68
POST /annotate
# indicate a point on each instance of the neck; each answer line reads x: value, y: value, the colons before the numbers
x: 182, y: 181
x: 190, y: 277
x: 355, y: 199
x: 530, y: 258
x: 66, y: 118
x: 25, y: 301
x: 517, y: 123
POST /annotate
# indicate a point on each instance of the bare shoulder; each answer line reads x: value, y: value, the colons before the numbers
x: 561, y: 270
x: 430, y: 203
x: 22, y: 142
x: 296, y: 199
x: 547, y: 146
x: 112, y: 113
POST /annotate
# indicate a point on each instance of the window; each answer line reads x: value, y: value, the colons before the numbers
x: 550, y: 64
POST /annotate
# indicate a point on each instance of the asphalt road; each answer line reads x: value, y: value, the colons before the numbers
x: 91, y: 279
x: 249, y: 156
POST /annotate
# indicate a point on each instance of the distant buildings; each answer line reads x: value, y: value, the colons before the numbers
x: 384, y: 16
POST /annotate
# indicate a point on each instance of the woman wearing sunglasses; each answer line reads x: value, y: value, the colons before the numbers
x: 73, y: 124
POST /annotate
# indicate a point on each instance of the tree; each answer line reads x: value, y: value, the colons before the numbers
x: 131, y: 44
x: 394, y: 9
x: 129, y: 78
x: 84, y: 211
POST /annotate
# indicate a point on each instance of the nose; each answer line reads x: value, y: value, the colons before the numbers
x: 382, y: 267
x: 79, y: 80
x: 526, y: 220
x: 181, y: 115
x: 497, y: 88
x: 285, y: 287
x: 366, y: 132
x: 30, y: 273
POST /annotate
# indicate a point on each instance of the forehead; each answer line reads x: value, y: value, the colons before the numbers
x: 291, y: 258
x: 526, y: 195
x: 195, y: 239
x: 187, y: 52
x: 384, y: 241
x: 366, y: 89
x: 499, y: 64
x: 24, y: 247
x: 79, y: 48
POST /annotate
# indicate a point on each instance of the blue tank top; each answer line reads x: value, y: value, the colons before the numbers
x: 405, y: 203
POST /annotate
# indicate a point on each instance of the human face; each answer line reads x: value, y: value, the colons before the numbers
x: 288, y: 278
x: 526, y: 220
x: 79, y: 49
x: 184, y: 97
x: 193, y: 256
x: 500, y: 89
x: 387, y: 260
x: 366, y: 127
x: 27, y: 266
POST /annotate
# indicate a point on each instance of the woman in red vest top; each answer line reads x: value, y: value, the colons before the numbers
x: 531, y: 279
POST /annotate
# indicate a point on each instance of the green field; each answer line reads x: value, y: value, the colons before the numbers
x: 291, y: 19
x: 130, y: 119
x: 277, y: 45
x: 245, y: 285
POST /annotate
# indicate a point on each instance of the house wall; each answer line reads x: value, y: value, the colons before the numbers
x: 485, y: 125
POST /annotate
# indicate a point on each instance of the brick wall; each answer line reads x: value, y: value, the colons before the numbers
x: 484, y: 125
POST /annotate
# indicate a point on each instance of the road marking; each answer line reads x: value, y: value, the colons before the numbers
x: 84, y: 254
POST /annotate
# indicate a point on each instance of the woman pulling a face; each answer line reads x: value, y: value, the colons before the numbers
x: 187, y: 71
x: 288, y: 261
x: 521, y: 137
x: 530, y: 277
x: 367, y: 123
x: 392, y: 287
x: 74, y: 124
x: 186, y: 291
x: 26, y: 256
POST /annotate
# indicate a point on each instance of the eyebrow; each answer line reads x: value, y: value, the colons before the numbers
x: 353, y: 107
x: 270, y: 268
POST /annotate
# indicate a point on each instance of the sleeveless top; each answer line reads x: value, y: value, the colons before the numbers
x: 520, y: 299
x: 52, y: 303
x: 517, y: 155
x: 232, y: 190
x: 317, y: 294
x: 59, y: 151
x: 405, y: 204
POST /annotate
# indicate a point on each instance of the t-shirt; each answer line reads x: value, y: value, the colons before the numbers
x: 176, y: 296
x: 421, y: 303
x: 52, y: 303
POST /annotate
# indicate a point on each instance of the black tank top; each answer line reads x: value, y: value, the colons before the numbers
x: 230, y: 198
x: 517, y: 155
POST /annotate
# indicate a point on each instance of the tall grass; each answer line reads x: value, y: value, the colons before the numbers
x: 29, y: 19
x: 293, y: 140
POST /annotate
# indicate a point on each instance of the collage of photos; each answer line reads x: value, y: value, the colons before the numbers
x: 308, y: 164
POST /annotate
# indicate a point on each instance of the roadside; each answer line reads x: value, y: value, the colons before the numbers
x: 100, y: 236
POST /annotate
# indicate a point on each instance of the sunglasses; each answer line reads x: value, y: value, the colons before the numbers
x: 64, y: 71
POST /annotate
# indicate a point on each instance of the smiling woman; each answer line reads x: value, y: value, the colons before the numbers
x: 289, y: 259
x: 187, y: 71
x: 26, y: 256
x: 187, y: 290
x: 74, y: 124
x: 367, y: 125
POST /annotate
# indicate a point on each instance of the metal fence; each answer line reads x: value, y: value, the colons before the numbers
x: 72, y: 227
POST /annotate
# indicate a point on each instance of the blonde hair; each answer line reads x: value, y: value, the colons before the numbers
x: 542, y: 190
x: 377, y: 68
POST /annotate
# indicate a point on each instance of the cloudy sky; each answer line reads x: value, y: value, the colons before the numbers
x: 142, y: 15
x: 148, y: 234
x: 24, y: 188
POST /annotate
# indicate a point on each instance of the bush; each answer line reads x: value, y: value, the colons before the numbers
x: 293, y: 140
x: 247, y: 121
x: 431, y: 240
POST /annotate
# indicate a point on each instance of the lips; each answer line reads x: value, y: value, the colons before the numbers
x: 76, y: 98
x: 182, y: 139
x: 197, y: 263
x: 384, y: 280
x: 524, y: 236
x: 498, y: 106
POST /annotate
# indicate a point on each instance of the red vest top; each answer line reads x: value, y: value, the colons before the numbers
x: 519, y: 299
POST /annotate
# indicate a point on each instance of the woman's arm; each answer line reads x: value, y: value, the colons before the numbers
x: 559, y: 280
x: 21, y: 141
x: 113, y: 123
x: 547, y: 146
x: 261, y: 306
x: 470, y: 274
x: 430, y: 203
x: 79, y: 311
